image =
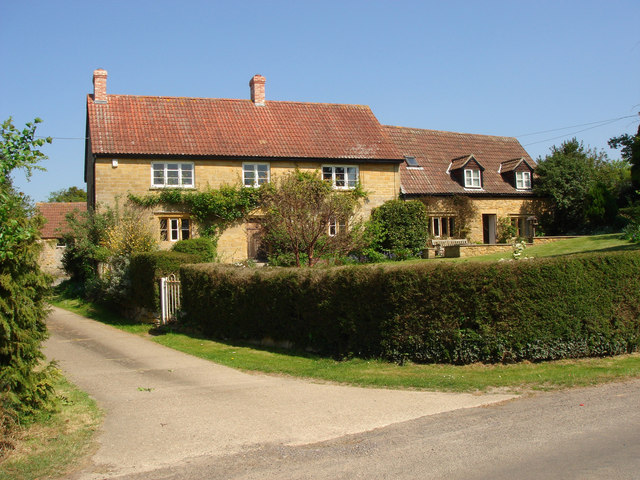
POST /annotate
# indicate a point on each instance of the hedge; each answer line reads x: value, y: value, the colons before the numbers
x: 145, y: 271
x: 542, y: 309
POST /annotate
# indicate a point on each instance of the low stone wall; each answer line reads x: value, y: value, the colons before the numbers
x: 543, y: 240
x: 462, y: 251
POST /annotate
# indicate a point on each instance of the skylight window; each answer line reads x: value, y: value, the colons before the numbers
x: 411, y: 161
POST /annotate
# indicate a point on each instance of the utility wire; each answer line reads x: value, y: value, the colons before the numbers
x: 572, y: 133
x: 604, y: 122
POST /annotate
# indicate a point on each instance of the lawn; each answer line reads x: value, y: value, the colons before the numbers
x: 592, y: 243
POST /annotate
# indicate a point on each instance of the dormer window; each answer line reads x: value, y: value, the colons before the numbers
x: 523, y: 180
x: 472, y: 178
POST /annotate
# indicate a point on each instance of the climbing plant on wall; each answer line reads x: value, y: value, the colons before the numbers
x: 213, y: 209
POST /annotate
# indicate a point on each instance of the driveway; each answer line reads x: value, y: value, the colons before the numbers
x: 164, y: 407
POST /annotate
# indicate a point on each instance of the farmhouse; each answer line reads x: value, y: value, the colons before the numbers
x: 145, y: 144
x: 141, y: 144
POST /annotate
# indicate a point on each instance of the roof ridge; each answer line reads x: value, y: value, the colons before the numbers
x: 244, y: 100
x: 448, y: 131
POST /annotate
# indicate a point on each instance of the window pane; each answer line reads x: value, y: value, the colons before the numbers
x: 163, y: 229
x: 445, y: 226
x: 327, y: 173
x: 187, y: 174
x: 158, y: 174
x: 452, y: 226
x: 340, y: 174
x: 436, y: 227
x: 263, y: 168
x: 185, y: 229
x: 172, y: 177
x: 352, y: 176
x: 175, y: 229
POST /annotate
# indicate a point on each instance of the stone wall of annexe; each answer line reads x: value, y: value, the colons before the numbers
x: 476, y: 250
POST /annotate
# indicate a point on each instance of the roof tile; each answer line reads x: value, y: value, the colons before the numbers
x: 142, y: 125
x: 55, y: 215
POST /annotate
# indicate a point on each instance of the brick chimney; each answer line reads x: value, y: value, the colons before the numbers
x: 100, y: 86
x: 257, y: 89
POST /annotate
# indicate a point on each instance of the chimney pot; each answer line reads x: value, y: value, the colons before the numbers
x: 257, y: 90
x: 100, y: 86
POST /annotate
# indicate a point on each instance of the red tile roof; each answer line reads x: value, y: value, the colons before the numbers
x: 175, y: 126
x: 55, y: 214
x: 435, y: 151
x: 511, y: 165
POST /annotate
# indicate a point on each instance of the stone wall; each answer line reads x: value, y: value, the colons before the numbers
x: 499, y: 206
x: 51, y: 258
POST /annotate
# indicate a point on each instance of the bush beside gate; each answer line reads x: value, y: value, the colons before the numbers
x: 543, y: 309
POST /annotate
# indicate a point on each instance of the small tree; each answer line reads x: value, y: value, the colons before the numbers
x: 71, y: 194
x: 309, y: 217
x: 401, y: 228
x: 25, y: 386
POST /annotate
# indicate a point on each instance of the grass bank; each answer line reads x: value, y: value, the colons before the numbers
x: 374, y: 373
x: 592, y: 243
x: 54, y: 443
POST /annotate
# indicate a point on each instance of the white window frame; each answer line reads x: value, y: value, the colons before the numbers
x: 437, y: 222
x: 253, y: 168
x: 472, y: 178
x: 174, y: 228
x: 331, y: 173
x: 165, y: 178
x: 523, y: 180
x: 336, y: 226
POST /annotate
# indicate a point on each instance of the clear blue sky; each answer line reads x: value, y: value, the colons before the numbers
x: 500, y: 68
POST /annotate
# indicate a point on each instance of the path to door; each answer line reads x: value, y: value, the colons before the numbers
x: 164, y: 407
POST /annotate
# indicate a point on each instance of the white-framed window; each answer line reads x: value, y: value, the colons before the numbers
x: 255, y: 174
x: 442, y: 226
x: 336, y: 226
x: 174, y: 229
x: 523, y: 180
x: 341, y: 176
x: 472, y: 178
x: 172, y: 174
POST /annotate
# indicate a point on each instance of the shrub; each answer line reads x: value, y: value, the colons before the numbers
x: 204, y: 248
x: 145, y: 271
x: 542, y: 309
x: 399, y: 229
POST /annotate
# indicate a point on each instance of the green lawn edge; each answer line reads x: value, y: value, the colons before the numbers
x: 55, y: 443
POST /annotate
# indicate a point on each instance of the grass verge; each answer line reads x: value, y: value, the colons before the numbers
x: 375, y: 373
x: 53, y: 444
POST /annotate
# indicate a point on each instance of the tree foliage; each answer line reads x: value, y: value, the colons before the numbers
x: 25, y: 384
x: 298, y: 210
x: 399, y: 228
x: 630, y: 150
x: 71, y: 194
x: 585, y: 188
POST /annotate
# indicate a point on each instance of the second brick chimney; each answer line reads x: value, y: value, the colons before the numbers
x: 100, y: 86
x: 257, y: 89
